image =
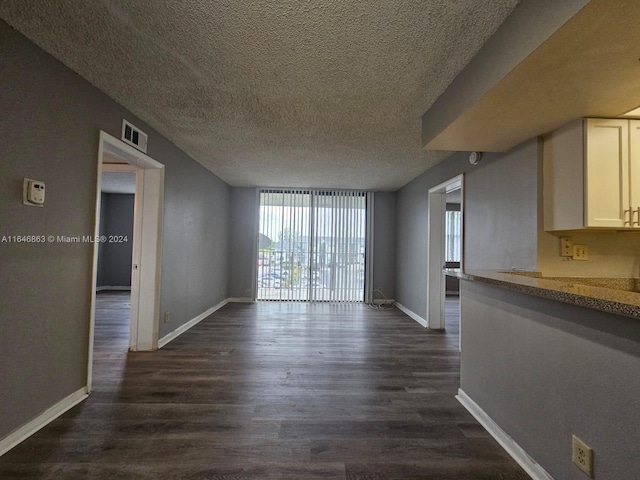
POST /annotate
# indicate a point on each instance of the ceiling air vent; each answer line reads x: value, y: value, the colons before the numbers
x: 134, y: 136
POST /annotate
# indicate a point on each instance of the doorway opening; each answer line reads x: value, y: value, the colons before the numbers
x: 115, y: 257
x: 453, y: 259
x: 445, y: 249
x: 145, y: 244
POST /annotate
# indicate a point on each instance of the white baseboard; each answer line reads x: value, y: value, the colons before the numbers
x: 411, y: 314
x: 240, y: 300
x: 186, y: 326
x: 42, y: 420
x: 108, y: 287
x: 534, y: 470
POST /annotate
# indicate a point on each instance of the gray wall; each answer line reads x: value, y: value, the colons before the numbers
x: 545, y: 370
x: 542, y: 370
x: 243, y: 227
x: 500, y: 218
x: 195, y: 245
x: 500, y: 211
x: 411, y: 232
x: 114, y: 258
x: 384, y: 244
x: 49, y: 125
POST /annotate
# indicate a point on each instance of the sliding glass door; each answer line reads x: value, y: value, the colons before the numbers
x: 284, y: 245
x: 312, y: 245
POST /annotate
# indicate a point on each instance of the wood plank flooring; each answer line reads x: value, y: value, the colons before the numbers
x: 270, y: 391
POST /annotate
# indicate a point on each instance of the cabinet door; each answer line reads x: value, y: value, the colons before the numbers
x: 634, y: 170
x: 607, y: 199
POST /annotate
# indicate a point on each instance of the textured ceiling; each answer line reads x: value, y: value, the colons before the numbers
x: 274, y: 93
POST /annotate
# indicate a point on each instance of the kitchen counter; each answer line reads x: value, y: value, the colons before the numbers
x: 619, y: 296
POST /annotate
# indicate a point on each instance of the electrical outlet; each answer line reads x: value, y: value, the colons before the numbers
x: 166, y: 317
x: 582, y: 455
x: 580, y: 252
x: 566, y: 247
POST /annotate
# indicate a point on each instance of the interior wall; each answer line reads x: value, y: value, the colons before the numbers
x: 545, y: 370
x: 384, y: 245
x: 500, y: 218
x: 195, y: 245
x: 50, y: 126
x: 243, y: 229
x: 500, y: 211
x: 411, y: 232
x: 114, y: 257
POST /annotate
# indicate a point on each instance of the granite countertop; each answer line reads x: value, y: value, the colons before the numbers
x: 613, y: 295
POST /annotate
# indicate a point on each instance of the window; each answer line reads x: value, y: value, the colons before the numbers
x: 311, y: 245
x: 453, y: 226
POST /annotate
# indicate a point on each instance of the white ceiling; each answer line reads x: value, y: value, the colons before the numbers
x: 264, y: 93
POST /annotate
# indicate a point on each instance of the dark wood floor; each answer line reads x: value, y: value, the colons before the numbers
x: 270, y: 391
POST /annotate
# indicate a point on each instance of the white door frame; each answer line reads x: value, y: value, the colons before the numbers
x: 435, y: 248
x: 147, y: 245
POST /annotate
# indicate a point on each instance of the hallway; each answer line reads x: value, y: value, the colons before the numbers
x: 270, y: 391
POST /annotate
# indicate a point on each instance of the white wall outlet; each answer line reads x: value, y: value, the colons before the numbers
x: 582, y: 455
x: 166, y: 317
x: 566, y: 247
x: 580, y: 252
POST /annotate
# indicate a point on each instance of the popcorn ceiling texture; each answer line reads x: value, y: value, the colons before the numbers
x: 274, y: 92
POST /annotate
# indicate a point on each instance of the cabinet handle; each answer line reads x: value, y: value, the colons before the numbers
x: 624, y: 215
x: 637, y: 222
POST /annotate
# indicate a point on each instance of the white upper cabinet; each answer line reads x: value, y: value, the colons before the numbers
x: 634, y: 171
x: 606, y: 173
x: 592, y: 175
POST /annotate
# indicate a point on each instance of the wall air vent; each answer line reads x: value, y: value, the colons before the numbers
x: 134, y: 136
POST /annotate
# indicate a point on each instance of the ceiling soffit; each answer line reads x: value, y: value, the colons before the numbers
x: 588, y: 68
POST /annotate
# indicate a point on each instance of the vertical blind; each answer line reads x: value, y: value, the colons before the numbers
x: 453, y: 235
x: 312, y: 245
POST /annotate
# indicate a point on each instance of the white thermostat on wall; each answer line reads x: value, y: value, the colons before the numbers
x: 33, y: 192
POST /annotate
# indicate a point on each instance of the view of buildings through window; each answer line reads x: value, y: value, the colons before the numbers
x: 453, y: 235
x: 311, y: 246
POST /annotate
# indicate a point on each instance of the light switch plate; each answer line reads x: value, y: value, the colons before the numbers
x: 580, y: 252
